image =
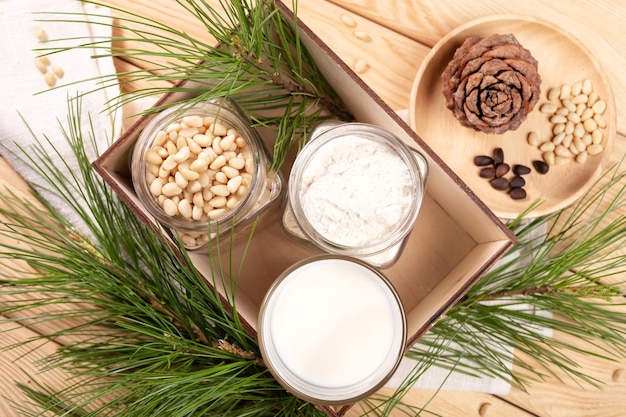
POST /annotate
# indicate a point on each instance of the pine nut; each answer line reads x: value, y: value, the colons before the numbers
x: 180, y: 180
x: 170, y: 208
x: 556, y: 119
x: 218, y: 129
x: 581, y: 157
x: 202, y: 140
x: 573, y: 117
x: 171, y: 189
x: 169, y: 163
x: 587, y: 86
x: 234, y: 183
x: 533, y: 139
x: 219, y: 162
x: 193, y: 121
x: 548, y: 157
x: 590, y: 125
x: 362, y: 35
x: 565, y: 92
x: 50, y: 79
x: 153, y: 157
x: 579, y: 130
x: 221, y: 177
x: 237, y: 163
x: 155, y: 187
x: 360, y: 66
x: 196, y: 213
x: 184, y: 208
x: 599, y: 119
x: 561, y: 160
x: 569, y: 105
x: 347, y: 20
x: 220, y: 190
x: 597, y: 136
x: 558, y: 139
x: 586, y: 114
x: 553, y: 93
x: 548, y: 108
x: 40, y: 65
x: 558, y: 128
x: 198, y: 199
x: 216, y: 214
x: 594, y: 149
x: 41, y: 34
x: 58, y: 71
x: 599, y: 107
x: 580, y: 99
x: 547, y: 146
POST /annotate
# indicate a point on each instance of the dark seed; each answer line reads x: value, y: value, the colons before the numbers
x: 483, y: 160
x: 517, y: 193
x: 517, y: 182
x: 487, y: 172
x: 521, y: 169
x: 498, y: 156
x: 502, y: 169
x: 541, y: 167
x: 500, y: 183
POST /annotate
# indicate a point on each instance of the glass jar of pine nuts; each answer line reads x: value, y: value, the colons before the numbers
x: 201, y: 170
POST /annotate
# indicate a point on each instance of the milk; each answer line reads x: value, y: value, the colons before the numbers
x: 333, y: 323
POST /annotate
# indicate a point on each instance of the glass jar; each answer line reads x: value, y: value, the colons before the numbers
x: 201, y: 170
x: 332, y: 330
x: 355, y: 190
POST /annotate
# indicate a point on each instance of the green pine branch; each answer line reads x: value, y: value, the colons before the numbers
x: 258, y: 61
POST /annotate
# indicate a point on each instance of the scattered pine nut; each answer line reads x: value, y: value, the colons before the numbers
x: 361, y: 66
x: 50, y: 79
x: 57, y: 70
x: 41, y: 34
x: 362, y: 35
x: 347, y: 20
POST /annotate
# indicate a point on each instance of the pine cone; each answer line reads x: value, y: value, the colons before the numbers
x: 492, y: 83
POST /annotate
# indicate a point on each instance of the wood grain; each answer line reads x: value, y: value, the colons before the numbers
x: 386, y: 41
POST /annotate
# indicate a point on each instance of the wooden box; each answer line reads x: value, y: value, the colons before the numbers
x: 455, y: 240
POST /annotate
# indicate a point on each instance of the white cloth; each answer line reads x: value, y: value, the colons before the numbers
x: 25, y: 93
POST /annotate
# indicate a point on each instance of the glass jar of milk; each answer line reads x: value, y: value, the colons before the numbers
x: 355, y: 189
x: 332, y: 329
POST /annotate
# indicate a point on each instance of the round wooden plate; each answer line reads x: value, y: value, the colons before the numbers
x: 562, y: 60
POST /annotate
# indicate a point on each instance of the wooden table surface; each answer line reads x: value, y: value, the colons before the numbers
x: 385, y: 41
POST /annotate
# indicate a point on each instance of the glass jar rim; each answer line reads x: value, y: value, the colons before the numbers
x: 369, y: 132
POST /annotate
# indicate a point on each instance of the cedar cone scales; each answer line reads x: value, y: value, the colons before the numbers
x: 491, y: 84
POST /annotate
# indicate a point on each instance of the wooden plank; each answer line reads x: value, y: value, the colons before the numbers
x: 598, y: 24
x: 448, y: 404
x: 19, y: 365
x: 573, y: 398
x: 368, y: 48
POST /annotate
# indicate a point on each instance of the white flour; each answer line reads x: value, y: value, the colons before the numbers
x: 355, y: 191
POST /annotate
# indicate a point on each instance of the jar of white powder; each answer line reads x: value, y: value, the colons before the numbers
x: 332, y: 330
x: 355, y: 190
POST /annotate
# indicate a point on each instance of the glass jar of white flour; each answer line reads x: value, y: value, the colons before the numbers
x: 355, y: 190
